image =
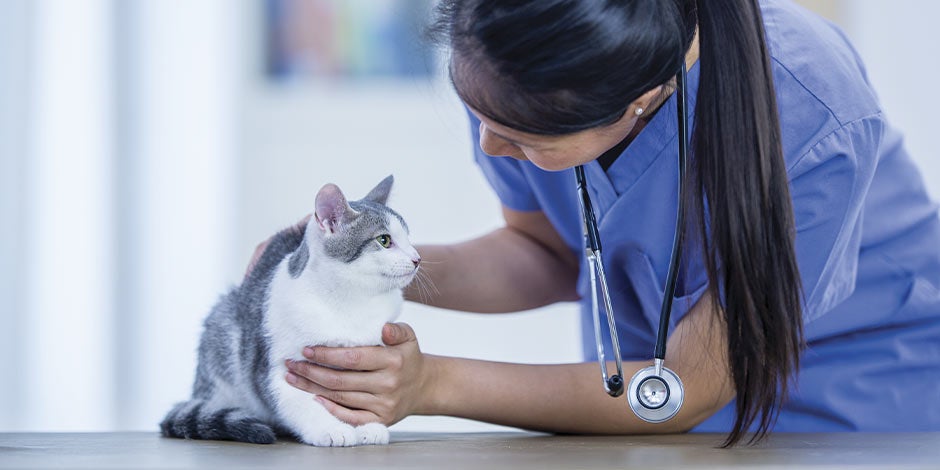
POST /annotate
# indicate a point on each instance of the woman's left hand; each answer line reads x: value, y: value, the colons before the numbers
x: 366, y: 384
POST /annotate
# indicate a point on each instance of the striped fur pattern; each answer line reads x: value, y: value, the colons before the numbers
x: 335, y: 283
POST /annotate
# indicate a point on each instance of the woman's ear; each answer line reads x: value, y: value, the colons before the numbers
x: 646, y: 102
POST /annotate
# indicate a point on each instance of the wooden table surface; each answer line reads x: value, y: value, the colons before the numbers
x: 518, y: 451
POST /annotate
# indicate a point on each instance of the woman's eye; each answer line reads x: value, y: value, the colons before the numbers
x: 384, y: 240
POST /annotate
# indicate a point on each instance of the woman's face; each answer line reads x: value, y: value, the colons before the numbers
x: 554, y: 153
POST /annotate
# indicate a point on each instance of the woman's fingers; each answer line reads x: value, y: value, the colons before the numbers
x: 364, y: 358
x: 394, y: 334
x: 332, y: 379
x: 386, y: 381
x: 350, y: 399
x: 348, y: 416
x: 352, y: 407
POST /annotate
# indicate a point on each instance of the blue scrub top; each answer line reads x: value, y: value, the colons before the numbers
x: 867, y: 243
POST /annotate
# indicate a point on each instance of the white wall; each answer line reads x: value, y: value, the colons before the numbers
x: 117, y: 133
x: 15, y: 74
x: 68, y: 191
x: 176, y: 212
x: 897, y: 41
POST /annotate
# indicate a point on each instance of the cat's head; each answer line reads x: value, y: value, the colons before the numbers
x: 365, y: 242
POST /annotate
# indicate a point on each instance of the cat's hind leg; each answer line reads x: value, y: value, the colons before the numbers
x: 196, y: 419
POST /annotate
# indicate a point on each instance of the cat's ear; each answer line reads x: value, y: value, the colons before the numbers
x: 332, y: 208
x: 380, y: 192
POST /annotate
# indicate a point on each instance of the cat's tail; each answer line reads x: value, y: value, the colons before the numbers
x: 194, y: 419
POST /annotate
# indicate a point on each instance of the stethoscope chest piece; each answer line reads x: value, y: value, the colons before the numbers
x: 655, y: 397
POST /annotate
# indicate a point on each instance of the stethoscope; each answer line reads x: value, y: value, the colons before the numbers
x: 655, y: 393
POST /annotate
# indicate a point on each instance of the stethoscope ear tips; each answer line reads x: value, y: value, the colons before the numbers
x: 615, y: 386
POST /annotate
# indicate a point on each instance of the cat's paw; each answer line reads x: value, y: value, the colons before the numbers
x: 337, y: 435
x: 371, y: 433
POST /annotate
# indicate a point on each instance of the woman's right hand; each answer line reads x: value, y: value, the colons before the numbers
x: 368, y: 384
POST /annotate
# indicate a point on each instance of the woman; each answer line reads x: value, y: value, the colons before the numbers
x: 808, y: 293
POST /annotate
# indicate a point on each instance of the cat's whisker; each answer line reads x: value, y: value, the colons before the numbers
x: 418, y: 282
x: 426, y: 284
x: 430, y: 283
x: 428, y: 295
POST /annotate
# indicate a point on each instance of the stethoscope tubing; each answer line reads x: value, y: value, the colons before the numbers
x: 669, y: 292
x: 613, y: 385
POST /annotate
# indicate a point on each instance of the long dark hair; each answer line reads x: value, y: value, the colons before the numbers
x: 555, y: 67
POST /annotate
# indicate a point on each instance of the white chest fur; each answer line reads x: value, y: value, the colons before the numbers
x: 301, y: 313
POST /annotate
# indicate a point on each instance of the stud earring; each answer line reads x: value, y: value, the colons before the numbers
x: 639, y: 111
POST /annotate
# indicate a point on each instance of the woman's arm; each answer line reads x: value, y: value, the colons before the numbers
x: 386, y: 384
x: 523, y: 265
x: 570, y: 398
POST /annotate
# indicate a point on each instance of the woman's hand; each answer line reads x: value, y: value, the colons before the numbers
x: 375, y: 384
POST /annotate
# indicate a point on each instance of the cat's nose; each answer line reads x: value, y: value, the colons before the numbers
x: 416, y: 261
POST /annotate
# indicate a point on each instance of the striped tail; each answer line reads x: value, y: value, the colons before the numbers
x: 194, y: 420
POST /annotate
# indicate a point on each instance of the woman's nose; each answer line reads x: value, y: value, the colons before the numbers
x: 497, y: 147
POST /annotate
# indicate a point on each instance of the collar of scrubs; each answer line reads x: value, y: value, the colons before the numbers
x: 657, y: 139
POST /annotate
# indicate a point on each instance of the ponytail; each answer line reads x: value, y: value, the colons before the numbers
x: 747, y: 227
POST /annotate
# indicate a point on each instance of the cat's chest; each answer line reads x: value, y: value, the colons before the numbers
x: 358, y: 325
x: 297, y: 319
x: 304, y: 312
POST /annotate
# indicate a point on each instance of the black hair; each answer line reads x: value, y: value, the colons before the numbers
x: 555, y: 67
x: 533, y: 66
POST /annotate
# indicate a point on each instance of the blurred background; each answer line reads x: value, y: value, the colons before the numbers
x: 147, y: 146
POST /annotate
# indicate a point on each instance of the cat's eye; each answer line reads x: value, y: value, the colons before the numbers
x: 385, y: 240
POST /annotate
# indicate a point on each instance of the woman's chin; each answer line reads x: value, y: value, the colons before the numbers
x: 553, y: 166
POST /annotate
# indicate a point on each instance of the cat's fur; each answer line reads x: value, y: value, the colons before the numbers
x: 333, y: 284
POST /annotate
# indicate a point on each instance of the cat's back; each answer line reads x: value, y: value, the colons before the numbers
x: 233, y: 339
x: 252, y: 294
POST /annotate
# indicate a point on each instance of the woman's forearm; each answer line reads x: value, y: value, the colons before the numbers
x: 523, y: 265
x: 570, y: 398
x: 503, y: 271
x: 564, y: 398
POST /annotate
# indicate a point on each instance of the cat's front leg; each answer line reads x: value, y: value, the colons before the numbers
x: 308, y: 419
x: 372, y: 433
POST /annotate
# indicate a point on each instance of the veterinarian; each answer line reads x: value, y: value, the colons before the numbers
x: 808, y: 289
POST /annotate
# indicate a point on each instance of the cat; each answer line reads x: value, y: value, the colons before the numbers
x: 334, y: 283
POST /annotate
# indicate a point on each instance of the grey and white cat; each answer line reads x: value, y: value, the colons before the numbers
x: 334, y: 284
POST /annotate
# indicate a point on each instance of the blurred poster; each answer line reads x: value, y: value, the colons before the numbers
x: 346, y: 39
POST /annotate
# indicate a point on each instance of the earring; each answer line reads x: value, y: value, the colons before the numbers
x: 639, y: 111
